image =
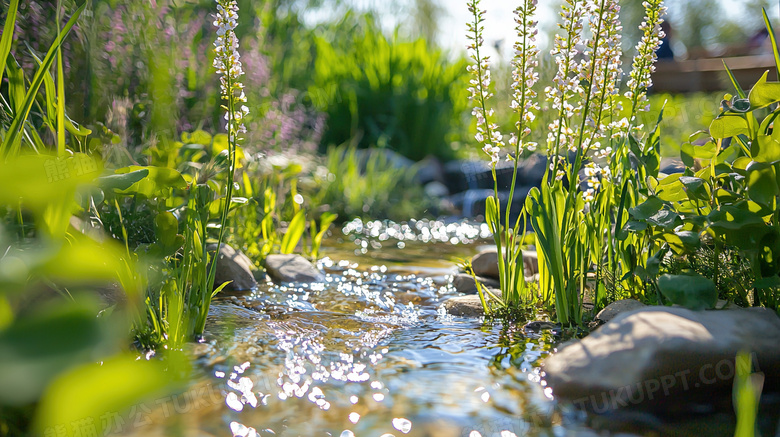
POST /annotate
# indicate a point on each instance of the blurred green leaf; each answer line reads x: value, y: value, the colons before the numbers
x: 37, y: 348
x: 198, y: 137
x: 158, y: 182
x: 94, y: 391
x: 49, y: 186
x: 122, y: 181
x: 692, y: 291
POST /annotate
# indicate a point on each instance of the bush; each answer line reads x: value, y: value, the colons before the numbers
x: 401, y: 95
x: 366, y: 184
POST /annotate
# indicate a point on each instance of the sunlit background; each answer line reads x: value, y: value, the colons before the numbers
x: 709, y: 23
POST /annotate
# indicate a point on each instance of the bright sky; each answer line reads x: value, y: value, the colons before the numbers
x: 499, y: 23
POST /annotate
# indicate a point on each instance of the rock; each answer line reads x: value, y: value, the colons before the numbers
x: 530, y: 262
x: 436, y: 189
x: 430, y: 169
x: 292, y: 268
x: 530, y: 171
x: 537, y: 326
x: 726, y: 305
x: 112, y: 294
x: 663, y: 359
x: 464, y: 306
x: 485, y: 264
x: 464, y: 283
x: 612, y: 310
x: 671, y: 166
x: 233, y: 265
x: 386, y: 158
x: 464, y: 175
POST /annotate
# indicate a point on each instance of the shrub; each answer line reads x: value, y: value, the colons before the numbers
x: 388, y: 93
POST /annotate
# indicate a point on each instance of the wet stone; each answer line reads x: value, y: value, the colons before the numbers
x: 615, y: 308
x: 465, y: 306
x: 292, y: 268
x: 234, y: 266
x: 485, y: 263
x: 464, y: 283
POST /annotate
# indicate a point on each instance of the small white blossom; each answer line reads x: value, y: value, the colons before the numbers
x: 227, y: 62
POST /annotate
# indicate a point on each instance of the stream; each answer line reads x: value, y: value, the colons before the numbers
x: 370, y: 352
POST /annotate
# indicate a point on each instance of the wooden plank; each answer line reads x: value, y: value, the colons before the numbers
x: 708, y: 74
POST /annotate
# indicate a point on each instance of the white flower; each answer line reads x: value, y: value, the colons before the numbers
x: 227, y: 62
x: 645, y: 57
x: 480, y: 89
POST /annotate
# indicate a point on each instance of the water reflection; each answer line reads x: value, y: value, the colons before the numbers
x: 370, y: 352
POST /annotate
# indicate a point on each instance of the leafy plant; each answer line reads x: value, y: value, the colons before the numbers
x: 572, y: 218
x: 367, y: 184
x: 726, y: 199
x: 52, y: 327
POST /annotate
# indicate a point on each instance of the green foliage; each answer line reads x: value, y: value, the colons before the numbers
x: 294, y: 233
x: 404, y: 96
x: 746, y: 395
x: 367, y: 184
x: 729, y: 205
x: 12, y: 134
x: 691, y: 291
x: 50, y: 337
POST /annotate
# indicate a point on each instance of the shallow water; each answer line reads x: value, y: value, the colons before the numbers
x: 369, y: 352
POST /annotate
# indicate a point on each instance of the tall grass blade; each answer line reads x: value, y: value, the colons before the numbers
x: 60, y: 89
x: 12, y: 141
x: 8, y: 32
x: 773, y: 39
x: 740, y: 92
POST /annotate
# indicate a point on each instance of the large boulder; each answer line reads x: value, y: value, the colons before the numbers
x: 662, y: 358
x: 233, y: 265
x: 292, y: 268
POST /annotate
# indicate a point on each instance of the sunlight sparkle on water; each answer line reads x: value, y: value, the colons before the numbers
x: 232, y: 401
x: 403, y: 425
x: 374, y: 233
x: 240, y: 430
